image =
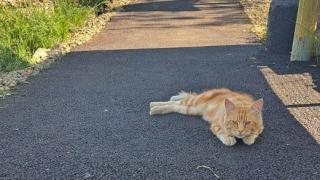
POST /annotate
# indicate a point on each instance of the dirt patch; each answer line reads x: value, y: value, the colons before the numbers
x: 257, y: 11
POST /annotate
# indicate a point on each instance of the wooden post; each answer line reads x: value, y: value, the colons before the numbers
x: 305, y: 30
x: 317, y: 36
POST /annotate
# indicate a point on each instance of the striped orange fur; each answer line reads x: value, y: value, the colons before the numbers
x: 230, y: 114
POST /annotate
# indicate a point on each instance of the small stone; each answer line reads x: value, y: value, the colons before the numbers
x: 87, y: 175
x: 45, y: 65
x: 12, y: 84
x: 35, y: 72
x: 40, y: 55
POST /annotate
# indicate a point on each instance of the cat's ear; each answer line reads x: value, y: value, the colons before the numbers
x: 229, y: 105
x: 257, y: 106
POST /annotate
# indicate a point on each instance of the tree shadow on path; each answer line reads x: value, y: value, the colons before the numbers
x: 297, y: 85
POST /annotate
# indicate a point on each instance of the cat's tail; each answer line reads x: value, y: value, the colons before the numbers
x: 185, y: 98
x: 179, y: 97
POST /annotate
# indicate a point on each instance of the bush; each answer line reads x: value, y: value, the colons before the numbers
x: 24, y: 30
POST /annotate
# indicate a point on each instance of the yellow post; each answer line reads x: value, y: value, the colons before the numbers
x: 304, y: 34
x: 317, y: 36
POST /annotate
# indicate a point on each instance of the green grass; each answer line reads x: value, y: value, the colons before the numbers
x: 24, y: 30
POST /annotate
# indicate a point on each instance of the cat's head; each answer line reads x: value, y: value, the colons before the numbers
x: 244, y: 121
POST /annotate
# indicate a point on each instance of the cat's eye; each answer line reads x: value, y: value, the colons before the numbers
x: 250, y: 123
x: 231, y: 123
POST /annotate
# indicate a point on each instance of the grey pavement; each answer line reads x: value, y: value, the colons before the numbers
x: 87, y: 116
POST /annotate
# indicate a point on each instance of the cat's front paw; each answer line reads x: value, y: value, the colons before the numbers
x: 153, y: 104
x: 249, y: 140
x: 228, y: 140
x: 154, y: 111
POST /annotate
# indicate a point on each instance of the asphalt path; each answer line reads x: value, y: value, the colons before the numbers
x: 87, y: 117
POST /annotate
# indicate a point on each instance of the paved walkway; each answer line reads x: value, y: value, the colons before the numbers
x: 175, y: 23
x: 87, y: 117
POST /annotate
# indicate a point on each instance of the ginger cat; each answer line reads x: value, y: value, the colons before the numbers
x: 231, y: 114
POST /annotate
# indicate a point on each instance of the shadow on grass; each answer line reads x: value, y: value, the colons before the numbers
x: 10, y: 61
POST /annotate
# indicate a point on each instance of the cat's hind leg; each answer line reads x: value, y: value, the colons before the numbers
x: 153, y: 104
x: 175, y: 107
x: 177, y: 104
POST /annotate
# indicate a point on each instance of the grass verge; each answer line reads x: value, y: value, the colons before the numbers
x: 25, y: 29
